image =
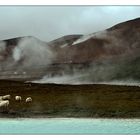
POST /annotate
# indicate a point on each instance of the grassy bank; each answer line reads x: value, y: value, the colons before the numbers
x: 50, y: 100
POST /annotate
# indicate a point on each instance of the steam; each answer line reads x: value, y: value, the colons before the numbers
x: 103, y: 73
x: 112, y: 68
x: 2, y: 49
x: 2, y: 46
x: 17, y: 54
x: 129, y: 82
x: 33, y: 59
x: 25, y: 60
x: 64, y: 79
x: 117, y: 70
x: 33, y: 52
x: 77, y: 80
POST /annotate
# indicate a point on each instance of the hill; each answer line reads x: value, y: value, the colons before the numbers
x: 105, y: 56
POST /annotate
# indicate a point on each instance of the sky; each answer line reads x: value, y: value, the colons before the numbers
x: 51, y: 22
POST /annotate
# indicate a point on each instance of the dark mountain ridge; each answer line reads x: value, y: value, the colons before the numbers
x: 112, y: 54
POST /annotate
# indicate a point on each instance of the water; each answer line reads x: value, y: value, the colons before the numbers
x: 69, y: 126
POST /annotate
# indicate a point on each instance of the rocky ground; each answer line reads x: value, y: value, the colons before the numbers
x: 50, y: 100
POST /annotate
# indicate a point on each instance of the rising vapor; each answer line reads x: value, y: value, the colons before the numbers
x: 102, y: 57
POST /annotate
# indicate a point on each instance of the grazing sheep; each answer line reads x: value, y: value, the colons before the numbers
x: 18, y: 98
x: 6, y: 97
x: 4, y: 103
x: 29, y: 99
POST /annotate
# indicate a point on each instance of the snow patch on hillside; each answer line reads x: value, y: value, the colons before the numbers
x: 86, y: 37
x: 82, y: 39
x: 64, y: 45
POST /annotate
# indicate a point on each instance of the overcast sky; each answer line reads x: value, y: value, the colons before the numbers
x: 50, y: 22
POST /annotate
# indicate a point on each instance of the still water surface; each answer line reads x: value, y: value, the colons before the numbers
x: 69, y: 126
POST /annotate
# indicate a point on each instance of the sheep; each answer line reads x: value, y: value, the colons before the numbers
x: 6, y: 97
x: 4, y: 103
x: 18, y: 98
x: 29, y: 99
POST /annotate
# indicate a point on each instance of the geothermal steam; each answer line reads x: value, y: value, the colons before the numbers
x: 29, y: 54
x: 33, y: 52
x: 2, y: 49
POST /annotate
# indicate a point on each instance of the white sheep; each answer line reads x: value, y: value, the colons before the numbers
x: 18, y: 98
x: 29, y: 99
x: 6, y: 97
x: 4, y: 103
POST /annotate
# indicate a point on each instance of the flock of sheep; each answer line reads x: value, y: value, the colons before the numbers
x: 4, y: 100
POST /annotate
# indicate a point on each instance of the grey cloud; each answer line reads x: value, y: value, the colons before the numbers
x: 50, y: 22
